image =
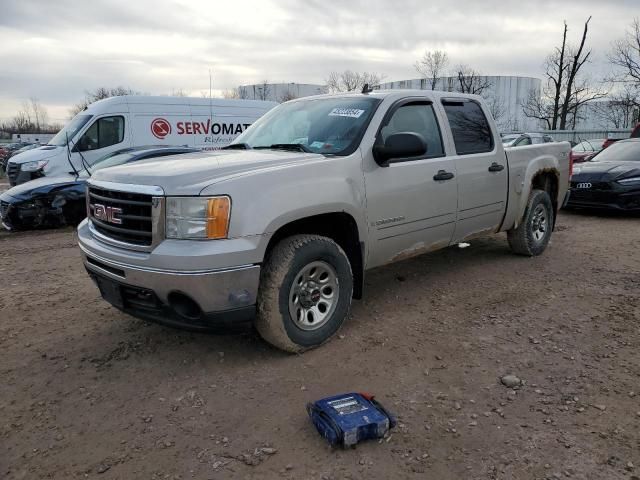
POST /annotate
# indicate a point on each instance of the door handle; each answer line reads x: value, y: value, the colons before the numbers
x: 442, y: 175
x: 496, y: 167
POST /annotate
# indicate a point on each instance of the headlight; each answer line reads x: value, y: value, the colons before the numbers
x: 197, y: 218
x: 629, y: 181
x: 33, y: 166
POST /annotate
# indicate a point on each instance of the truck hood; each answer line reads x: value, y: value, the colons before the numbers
x: 36, y: 154
x: 604, y: 171
x: 189, y: 174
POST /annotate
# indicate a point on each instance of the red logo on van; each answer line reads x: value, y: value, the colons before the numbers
x: 160, y: 128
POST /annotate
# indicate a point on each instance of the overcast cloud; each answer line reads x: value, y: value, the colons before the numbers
x: 55, y: 50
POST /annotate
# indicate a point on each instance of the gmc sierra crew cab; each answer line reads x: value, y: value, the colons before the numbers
x: 279, y: 228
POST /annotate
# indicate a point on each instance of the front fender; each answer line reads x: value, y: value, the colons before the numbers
x: 263, y: 202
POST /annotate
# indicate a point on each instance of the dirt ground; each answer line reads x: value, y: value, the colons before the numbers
x: 88, y: 392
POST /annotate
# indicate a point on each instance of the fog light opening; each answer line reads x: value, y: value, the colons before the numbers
x: 184, y: 306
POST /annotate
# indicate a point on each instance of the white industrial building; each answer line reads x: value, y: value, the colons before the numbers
x: 506, y: 94
x: 279, y: 92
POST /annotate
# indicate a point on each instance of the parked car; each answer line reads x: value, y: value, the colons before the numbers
x: 587, y: 149
x: 56, y: 201
x: 284, y: 223
x: 128, y: 121
x: 635, y: 133
x: 610, y: 180
x: 7, y: 150
x: 523, y: 139
x: 26, y: 148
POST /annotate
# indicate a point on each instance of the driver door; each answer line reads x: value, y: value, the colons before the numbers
x: 105, y: 135
x: 409, y: 209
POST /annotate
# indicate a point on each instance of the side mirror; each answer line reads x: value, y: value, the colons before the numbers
x: 399, y: 145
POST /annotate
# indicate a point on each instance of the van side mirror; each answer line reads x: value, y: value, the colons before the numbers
x: 399, y: 145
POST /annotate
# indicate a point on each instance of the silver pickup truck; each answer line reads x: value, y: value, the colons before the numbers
x: 279, y: 228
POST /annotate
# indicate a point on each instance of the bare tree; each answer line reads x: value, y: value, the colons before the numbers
x: 470, y: 81
x: 579, y: 58
x: 566, y: 90
x: 350, y: 81
x: 230, y: 94
x: 262, y: 91
x: 540, y: 108
x: 626, y: 55
x: 31, y: 118
x: 178, y: 93
x: 100, y: 94
x: 619, y: 110
x: 555, y: 70
x: 40, y: 114
x: 498, y: 111
x: 239, y: 93
x: 431, y: 66
x: 287, y: 95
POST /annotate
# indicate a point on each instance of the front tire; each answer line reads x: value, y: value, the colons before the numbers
x: 306, y: 286
x: 533, y: 234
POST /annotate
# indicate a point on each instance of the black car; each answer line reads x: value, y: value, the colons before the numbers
x: 610, y: 180
x: 57, y: 201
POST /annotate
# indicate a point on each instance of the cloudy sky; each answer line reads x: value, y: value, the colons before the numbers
x: 55, y: 50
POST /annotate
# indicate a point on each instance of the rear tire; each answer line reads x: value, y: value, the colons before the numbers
x: 533, y: 234
x: 306, y: 286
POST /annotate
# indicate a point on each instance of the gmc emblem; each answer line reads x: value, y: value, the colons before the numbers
x: 107, y: 214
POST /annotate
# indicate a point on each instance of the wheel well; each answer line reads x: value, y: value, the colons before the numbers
x: 547, y: 180
x: 338, y: 226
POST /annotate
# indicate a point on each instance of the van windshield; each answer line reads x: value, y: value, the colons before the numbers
x: 331, y: 126
x: 69, y: 131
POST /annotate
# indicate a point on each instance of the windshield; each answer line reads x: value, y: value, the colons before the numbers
x: 320, y: 125
x: 589, y: 146
x: 619, y: 152
x: 79, y: 121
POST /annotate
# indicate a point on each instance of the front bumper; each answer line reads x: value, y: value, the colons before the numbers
x: 195, y: 299
x: 627, y: 199
x: 21, y: 214
x: 17, y: 175
x: 16, y: 215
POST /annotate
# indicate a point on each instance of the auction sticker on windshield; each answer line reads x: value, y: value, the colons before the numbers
x: 346, y: 112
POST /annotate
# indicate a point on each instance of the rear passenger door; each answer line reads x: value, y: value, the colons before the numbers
x: 409, y: 211
x: 481, y: 166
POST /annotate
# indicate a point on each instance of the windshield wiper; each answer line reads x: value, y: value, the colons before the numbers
x: 237, y: 146
x: 295, y: 147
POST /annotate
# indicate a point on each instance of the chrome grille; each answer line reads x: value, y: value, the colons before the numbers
x: 135, y: 218
x: 4, y: 208
x: 13, y: 170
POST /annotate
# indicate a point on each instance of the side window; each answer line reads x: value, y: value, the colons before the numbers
x: 548, y: 139
x: 523, y: 141
x: 416, y: 118
x: 470, y: 128
x: 536, y: 140
x: 579, y: 147
x: 104, y: 132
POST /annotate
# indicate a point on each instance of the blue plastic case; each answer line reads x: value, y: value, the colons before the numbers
x: 344, y: 420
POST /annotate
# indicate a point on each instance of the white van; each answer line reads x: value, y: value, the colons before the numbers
x: 129, y: 121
